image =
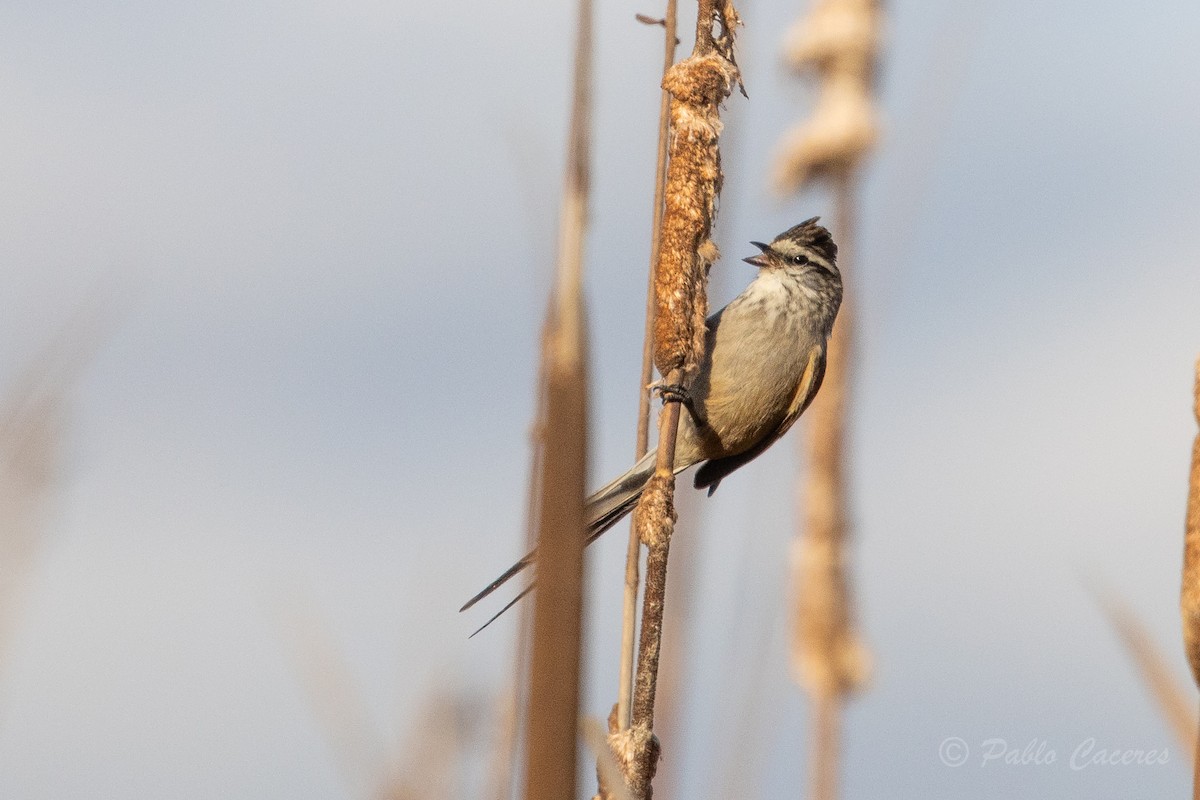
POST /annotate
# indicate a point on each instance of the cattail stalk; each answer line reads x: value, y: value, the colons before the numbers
x: 697, y: 86
x: 557, y: 615
x: 633, y: 552
x: 1189, y: 595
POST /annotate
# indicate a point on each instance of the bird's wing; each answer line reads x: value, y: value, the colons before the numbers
x: 711, y: 473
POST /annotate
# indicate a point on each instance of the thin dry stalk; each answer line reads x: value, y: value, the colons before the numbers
x: 634, y: 549
x: 697, y: 86
x: 558, y: 607
x: 676, y: 656
x: 1174, y: 704
x: 1189, y: 595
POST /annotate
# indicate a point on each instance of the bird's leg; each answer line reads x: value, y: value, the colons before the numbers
x: 678, y: 393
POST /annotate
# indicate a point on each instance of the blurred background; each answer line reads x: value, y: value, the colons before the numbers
x: 272, y: 277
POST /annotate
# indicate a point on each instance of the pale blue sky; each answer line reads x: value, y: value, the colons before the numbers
x: 327, y: 228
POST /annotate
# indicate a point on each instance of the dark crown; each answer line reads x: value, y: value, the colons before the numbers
x: 814, y: 236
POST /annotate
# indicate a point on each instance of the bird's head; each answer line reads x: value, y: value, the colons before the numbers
x: 805, y: 250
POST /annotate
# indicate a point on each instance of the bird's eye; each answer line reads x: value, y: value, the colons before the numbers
x: 798, y: 260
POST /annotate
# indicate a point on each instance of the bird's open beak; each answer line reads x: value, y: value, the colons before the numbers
x: 759, y: 261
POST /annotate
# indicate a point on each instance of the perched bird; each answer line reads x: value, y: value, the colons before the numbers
x: 763, y: 364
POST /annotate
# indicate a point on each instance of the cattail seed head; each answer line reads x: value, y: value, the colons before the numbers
x: 697, y: 86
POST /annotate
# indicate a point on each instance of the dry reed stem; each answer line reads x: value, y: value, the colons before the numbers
x: 558, y: 607
x: 697, y: 86
x: 636, y: 747
x: 554, y: 681
x: 634, y: 550
x: 1189, y: 594
x: 1174, y: 704
x: 675, y: 655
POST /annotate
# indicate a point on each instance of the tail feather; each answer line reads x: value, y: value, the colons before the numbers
x: 507, y: 606
x: 609, y: 505
x: 603, y: 509
x: 509, y: 573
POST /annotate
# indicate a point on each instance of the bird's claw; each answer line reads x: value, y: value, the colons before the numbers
x: 677, y: 393
x: 673, y: 393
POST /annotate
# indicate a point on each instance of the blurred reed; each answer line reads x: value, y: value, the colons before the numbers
x: 553, y: 711
x: 33, y: 415
x: 838, y: 42
x: 429, y: 763
x: 359, y: 749
x: 1173, y: 702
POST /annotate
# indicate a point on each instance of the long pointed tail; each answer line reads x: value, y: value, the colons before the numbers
x: 603, y: 509
x: 609, y: 505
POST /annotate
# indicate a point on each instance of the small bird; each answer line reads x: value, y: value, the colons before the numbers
x: 763, y: 364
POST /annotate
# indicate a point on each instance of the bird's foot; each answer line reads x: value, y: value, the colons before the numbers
x: 673, y: 393
x: 678, y: 393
